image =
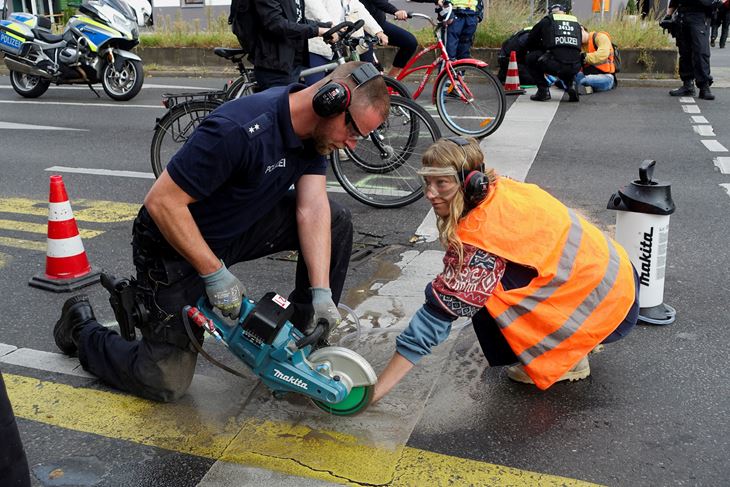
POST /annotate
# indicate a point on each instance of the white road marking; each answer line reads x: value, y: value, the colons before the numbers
x: 686, y: 99
x: 723, y: 164
x: 704, y: 130
x: 691, y: 109
x: 726, y: 187
x: 713, y: 145
x: 102, y: 172
x: 25, y: 126
x: 699, y: 119
x: 146, y: 86
x: 76, y: 104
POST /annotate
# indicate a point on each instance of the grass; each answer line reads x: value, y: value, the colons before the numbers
x: 503, y: 18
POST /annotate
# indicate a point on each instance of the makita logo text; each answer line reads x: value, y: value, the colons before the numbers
x: 291, y: 380
x: 281, y: 163
x: 645, y: 257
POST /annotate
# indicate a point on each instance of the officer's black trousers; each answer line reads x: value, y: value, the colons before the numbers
x: 540, y: 63
x: 693, y: 43
x: 159, y: 370
x: 13, y: 463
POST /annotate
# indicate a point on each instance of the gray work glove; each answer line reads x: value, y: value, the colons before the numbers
x: 224, y: 291
x: 324, y: 308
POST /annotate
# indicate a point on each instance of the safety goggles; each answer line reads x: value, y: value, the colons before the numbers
x: 353, y: 131
x: 439, y: 181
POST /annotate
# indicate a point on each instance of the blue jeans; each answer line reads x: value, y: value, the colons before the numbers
x: 460, y: 34
x: 599, y: 82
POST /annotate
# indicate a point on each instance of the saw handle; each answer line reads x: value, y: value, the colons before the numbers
x: 314, y: 336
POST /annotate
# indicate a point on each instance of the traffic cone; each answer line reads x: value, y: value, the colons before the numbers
x: 67, y: 267
x: 512, y: 82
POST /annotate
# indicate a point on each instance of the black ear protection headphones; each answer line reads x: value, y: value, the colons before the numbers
x: 475, y: 184
x: 334, y: 97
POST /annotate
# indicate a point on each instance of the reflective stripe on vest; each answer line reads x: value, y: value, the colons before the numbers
x: 584, y: 285
x: 608, y: 65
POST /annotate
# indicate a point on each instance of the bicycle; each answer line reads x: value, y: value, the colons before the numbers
x: 469, y: 99
x: 186, y: 111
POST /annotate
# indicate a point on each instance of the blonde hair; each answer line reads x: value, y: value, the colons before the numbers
x: 445, y: 153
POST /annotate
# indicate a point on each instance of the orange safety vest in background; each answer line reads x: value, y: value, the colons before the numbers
x: 584, y: 286
x: 608, y: 65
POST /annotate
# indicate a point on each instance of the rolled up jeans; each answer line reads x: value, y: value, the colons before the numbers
x: 599, y: 82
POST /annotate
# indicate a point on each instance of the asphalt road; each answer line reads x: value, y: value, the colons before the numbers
x: 653, y: 412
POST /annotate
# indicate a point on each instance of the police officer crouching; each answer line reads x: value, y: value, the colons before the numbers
x: 693, y: 42
x: 554, y: 48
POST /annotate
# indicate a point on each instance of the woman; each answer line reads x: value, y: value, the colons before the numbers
x: 542, y: 286
x: 401, y: 38
x: 336, y: 11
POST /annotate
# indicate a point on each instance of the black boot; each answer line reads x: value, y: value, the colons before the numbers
x: 573, y: 92
x: 75, y: 314
x: 543, y: 94
x: 687, y: 89
x: 706, y: 94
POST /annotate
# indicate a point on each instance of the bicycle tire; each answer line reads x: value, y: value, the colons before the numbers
x: 485, y: 110
x: 404, y: 136
x: 174, y: 129
x: 397, y: 88
x: 241, y: 86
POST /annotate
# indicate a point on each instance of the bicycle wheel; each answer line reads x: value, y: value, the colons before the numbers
x: 480, y: 111
x: 174, y: 129
x: 381, y: 170
x: 395, y: 87
x: 241, y: 86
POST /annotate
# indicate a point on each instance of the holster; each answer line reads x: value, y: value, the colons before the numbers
x: 128, y: 307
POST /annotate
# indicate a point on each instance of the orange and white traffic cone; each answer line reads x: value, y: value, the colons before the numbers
x: 512, y: 82
x: 67, y: 267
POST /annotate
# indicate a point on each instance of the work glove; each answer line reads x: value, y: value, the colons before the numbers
x: 324, y: 308
x: 224, y: 291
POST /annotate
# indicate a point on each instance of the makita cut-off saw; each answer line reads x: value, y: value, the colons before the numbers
x: 336, y: 379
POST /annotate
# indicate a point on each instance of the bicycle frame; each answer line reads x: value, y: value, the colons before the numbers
x: 442, y: 59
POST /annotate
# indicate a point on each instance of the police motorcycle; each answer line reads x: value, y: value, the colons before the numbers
x: 94, y: 48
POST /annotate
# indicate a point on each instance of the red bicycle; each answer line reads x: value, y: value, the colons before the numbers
x: 469, y: 99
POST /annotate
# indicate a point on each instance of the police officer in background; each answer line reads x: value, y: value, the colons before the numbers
x: 693, y: 42
x: 554, y: 48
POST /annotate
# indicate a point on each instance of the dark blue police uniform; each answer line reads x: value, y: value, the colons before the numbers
x: 239, y: 165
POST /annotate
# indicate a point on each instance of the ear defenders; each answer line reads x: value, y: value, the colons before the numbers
x: 334, y: 97
x: 475, y: 184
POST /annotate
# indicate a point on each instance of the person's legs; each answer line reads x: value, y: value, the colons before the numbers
x: 725, y: 26
x: 453, y: 32
x: 537, y: 73
x: 267, y: 78
x: 599, y: 82
x: 13, y: 462
x: 700, y: 51
x: 494, y: 346
x: 315, y: 60
x: 466, y: 37
x: 277, y: 231
x: 405, y: 41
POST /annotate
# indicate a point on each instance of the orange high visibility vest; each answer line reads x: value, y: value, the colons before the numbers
x: 584, y: 286
x: 608, y: 65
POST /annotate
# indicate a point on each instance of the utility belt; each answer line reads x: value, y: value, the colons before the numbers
x: 464, y: 11
x: 135, y: 301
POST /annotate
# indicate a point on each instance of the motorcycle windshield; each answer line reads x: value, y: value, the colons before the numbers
x: 122, y: 7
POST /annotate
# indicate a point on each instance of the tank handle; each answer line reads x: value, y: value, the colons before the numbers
x: 646, y: 171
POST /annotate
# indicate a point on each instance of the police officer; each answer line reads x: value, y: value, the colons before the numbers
x: 554, y: 48
x: 13, y: 462
x: 693, y: 42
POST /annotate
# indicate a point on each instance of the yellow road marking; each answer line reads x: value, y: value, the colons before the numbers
x: 294, y: 449
x: 41, y: 228
x: 20, y: 243
x: 96, y: 211
x: 4, y: 260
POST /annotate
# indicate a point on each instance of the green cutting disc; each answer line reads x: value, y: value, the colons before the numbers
x: 357, y: 400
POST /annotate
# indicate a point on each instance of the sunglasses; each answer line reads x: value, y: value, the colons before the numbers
x: 352, y: 128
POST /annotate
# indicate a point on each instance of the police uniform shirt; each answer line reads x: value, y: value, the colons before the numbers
x: 240, y: 161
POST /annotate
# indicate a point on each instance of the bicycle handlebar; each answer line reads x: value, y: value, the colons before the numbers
x: 343, y: 29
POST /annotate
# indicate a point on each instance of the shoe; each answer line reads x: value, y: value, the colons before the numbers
x: 685, y: 90
x: 541, y: 95
x: 75, y: 314
x: 712, y: 43
x: 573, y: 92
x: 722, y: 46
x: 706, y: 94
x: 581, y: 370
